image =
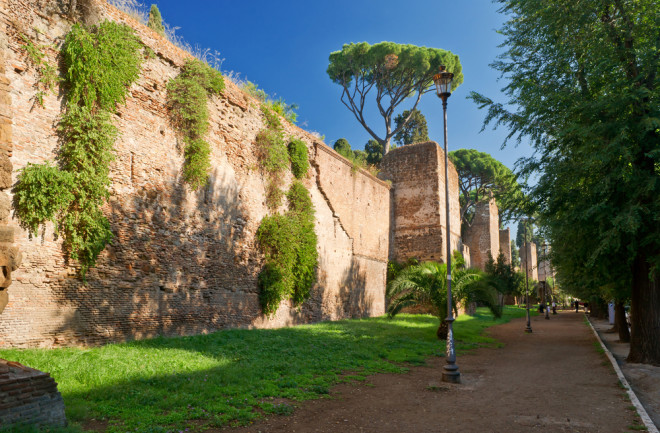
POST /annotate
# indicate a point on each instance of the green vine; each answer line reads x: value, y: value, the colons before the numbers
x: 287, y: 240
x: 299, y: 158
x: 273, y: 156
x: 187, y: 101
x: 48, y: 78
x: 101, y: 62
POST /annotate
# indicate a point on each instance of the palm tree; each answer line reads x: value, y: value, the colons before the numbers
x: 426, y: 285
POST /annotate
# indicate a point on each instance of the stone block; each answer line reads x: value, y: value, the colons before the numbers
x: 13, y: 255
x: 4, y: 298
x: 7, y: 234
x: 6, y: 168
x: 5, y: 207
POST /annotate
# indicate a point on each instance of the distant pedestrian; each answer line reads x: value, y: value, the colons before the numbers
x: 577, y: 306
x: 554, y: 307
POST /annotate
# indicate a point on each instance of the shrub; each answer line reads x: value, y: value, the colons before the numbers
x: 299, y: 158
x: 47, y: 73
x: 288, y: 242
x: 187, y: 101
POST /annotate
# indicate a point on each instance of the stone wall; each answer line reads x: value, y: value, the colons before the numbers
x: 418, y: 228
x: 28, y: 396
x: 483, y: 236
x: 182, y: 262
x: 10, y: 257
x: 528, y: 252
x: 545, y: 270
x: 505, y: 245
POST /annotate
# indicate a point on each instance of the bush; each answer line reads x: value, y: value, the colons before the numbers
x: 299, y: 158
x: 289, y: 245
x: 187, y: 100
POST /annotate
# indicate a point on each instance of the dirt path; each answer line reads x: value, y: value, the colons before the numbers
x: 552, y: 380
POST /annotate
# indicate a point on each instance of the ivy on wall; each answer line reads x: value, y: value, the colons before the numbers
x: 288, y: 241
x: 100, y: 64
x: 47, y: 73
x: 187, y: 100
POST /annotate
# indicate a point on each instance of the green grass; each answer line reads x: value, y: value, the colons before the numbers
x: 237, y: 376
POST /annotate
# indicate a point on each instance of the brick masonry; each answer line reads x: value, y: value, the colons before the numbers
x: 10, y: 256
x: 29, y: 396
x: 545, y: 270
x: 483, y: 236
x: 182, y: 262
x: 418, y: 215
x: 505, y: 245
x: 528, y: 262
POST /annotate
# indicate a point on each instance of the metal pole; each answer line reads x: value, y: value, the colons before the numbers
x: 545, y: 283
x: 528, y: 329
x: 450, y: 373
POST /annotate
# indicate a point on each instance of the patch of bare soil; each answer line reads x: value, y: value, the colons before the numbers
x: 551, y: 380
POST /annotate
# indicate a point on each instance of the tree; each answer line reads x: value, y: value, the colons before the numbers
x: 395, y: 72
x: 156, y: 20
x: 426, y: 285
x: 515, y: 256
x: 374, y: 152
x: 480, y: 176
x: 414, y: 130
x: 583, y: 77
x: 343, y: 147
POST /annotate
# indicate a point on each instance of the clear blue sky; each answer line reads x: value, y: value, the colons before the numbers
x: 283, y: 46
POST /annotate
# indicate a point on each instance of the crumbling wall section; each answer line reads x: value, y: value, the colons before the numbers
x: 528, y: 260
x: 182, y: 262
x: 483, y: 236
x: 418, y: 219
x: 505, y: 245
x: 29, y: 396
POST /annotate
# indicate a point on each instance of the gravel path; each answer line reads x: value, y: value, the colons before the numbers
x: 552, y: 380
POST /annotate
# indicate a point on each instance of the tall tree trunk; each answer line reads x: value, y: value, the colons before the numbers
x: 620, y: 322
x: 644, y: 314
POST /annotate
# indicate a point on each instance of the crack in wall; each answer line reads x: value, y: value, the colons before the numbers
x: 335, y: 215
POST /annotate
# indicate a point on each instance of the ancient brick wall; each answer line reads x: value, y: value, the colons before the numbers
x: 181, y: 262
x: 505, y: 244
x: 483, y: 236
x: 418, y: 227
x: 528, y: 262
x: 10, y: 256
x: 28, y: 396
x: 544, y: 271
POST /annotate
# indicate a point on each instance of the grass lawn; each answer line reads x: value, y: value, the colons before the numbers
x: 236, y: 376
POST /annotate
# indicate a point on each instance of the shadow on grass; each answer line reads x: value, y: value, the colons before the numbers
x: 235, y: 376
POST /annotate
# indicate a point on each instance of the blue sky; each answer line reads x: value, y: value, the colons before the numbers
x: 283, y: 46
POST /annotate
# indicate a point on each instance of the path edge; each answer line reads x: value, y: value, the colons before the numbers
x: 646, y: 419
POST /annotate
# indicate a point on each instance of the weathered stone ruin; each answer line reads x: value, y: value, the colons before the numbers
x: 418, y: 219
x: 29, y: 396
x: 528, y: 262
x: 483, y: 236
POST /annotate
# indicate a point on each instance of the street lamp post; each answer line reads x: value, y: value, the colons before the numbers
x: 545, y: 283
x: 450, y: 372
x: 528, y: 329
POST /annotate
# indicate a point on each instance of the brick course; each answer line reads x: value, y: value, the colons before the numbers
x: 29, y: 396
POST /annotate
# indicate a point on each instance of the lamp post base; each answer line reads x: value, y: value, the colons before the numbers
x: 528, y: 330
x: 451, y: 374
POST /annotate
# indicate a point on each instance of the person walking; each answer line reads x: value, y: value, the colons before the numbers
x: 577, y: 306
